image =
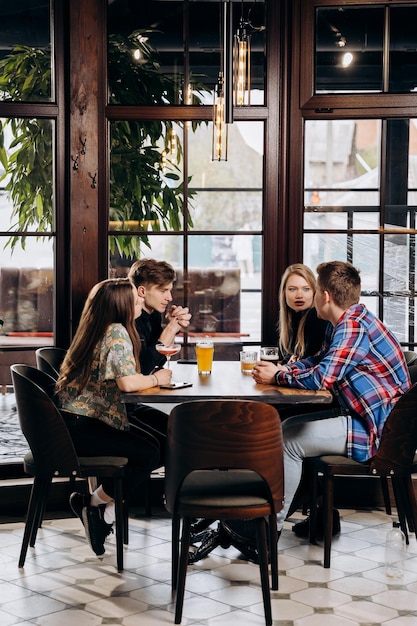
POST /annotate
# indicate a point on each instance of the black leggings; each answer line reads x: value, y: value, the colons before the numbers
x: 93, y: 437
x: 152, y: 421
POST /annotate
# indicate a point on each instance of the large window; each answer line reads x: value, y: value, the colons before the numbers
x: 359, y: 164
x: 27, y: 174
x: 167, y: 198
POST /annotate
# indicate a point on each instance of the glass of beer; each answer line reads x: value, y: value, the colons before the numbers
x: 247, y: 362
x: 204, y: 351
x: 270, y: 354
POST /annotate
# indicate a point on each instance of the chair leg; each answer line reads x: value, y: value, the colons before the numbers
x: 313, y: 503
x: 413, y: 504
x: 32, y: 517
x: 148, y: 496
x: 385, y: 494
x: 118, y: 500
x: 125, y: 521
x: 40, y: 510
x: 328, y: 516
x: 402, y: 504
x: 175, y: 538
x: 182, y: 568
x: 273, y: 549
x: 263, y: 568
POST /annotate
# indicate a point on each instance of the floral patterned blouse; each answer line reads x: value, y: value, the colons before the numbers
x: 101, y: 397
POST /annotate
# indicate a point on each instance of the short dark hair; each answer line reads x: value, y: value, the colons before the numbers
x: 151, y: 272
x: 341, y: 280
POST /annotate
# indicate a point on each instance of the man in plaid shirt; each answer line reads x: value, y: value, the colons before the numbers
x: 361, y: 363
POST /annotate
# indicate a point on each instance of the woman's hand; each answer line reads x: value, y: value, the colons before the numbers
x: 163, y: 376
x: 139, y: 382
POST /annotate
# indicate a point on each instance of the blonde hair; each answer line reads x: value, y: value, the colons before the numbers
x: 110, y: 301
x: 285, y: 327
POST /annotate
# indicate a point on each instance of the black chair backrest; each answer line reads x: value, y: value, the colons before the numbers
x: 410, y: 357
x: 42, y: 379
x: 49, y: 360
x: 399, y: 438
x: 224, y: 434
x: 43, y: 425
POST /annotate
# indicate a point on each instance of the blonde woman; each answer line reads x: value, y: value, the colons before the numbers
x: 301, y: 332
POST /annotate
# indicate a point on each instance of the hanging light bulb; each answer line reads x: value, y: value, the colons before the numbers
x: 172, y: 143
x: 241, y: 65
x: 220, y: 128
x: 163, y: 161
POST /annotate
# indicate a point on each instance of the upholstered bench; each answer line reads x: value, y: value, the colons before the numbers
x: 26, y: 309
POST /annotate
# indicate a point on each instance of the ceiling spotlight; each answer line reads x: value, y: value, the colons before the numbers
x: 347, y: 59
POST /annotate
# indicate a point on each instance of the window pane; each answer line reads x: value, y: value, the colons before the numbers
x: 174, y: 49
x: 388, y: 279
x: 25, y: 52
x: 364, y: 254
x: 146, y: 179
x: 320, y: 247
x: 348, y: 50
x: 26, y: 289
x: 222, y: 290
x: 396, y: 317
x: 403, y: 49
x: 26, y: 227
x: 228, y: 195
x: 342, y: 155
x: 26, y: 191
x: 342, y: 174
x: 145, y: 52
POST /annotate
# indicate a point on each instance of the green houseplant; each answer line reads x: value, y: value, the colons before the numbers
x: 146, y: 189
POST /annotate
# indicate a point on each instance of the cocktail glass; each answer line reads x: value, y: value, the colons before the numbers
x: 168, y: 351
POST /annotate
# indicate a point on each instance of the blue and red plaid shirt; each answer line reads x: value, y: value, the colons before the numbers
x: 363, y: 365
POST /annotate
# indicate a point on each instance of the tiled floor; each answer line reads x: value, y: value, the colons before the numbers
x: 64, y: 584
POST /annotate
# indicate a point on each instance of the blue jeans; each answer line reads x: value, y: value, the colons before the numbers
x: 312, y: 434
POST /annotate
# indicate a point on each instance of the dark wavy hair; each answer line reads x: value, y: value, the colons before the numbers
x: 110, y: 301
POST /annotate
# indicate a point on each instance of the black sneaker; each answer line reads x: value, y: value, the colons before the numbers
x: 78, y: 501
x: 242, y: 534
x: 302, y: 529
x: 96, y: 529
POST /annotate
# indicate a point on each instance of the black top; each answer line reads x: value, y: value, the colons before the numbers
x: 314, y: 333
x: 149, y: 327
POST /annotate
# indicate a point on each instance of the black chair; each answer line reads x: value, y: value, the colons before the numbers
x: 49, y: 359
x: 224, y: 462
x: 395, y: 460
x: 52, y: 453
x: 410, y: 357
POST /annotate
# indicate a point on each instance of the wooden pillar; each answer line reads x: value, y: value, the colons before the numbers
x: 85, y: 72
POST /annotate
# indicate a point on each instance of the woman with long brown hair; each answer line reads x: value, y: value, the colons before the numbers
x: 101, y: 363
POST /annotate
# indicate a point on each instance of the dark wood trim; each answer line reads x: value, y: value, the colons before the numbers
x: 180, y: 113
x: 62, y: 303
x: 295, y: 131
x: 85, y: 37
x: 273, y: 220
